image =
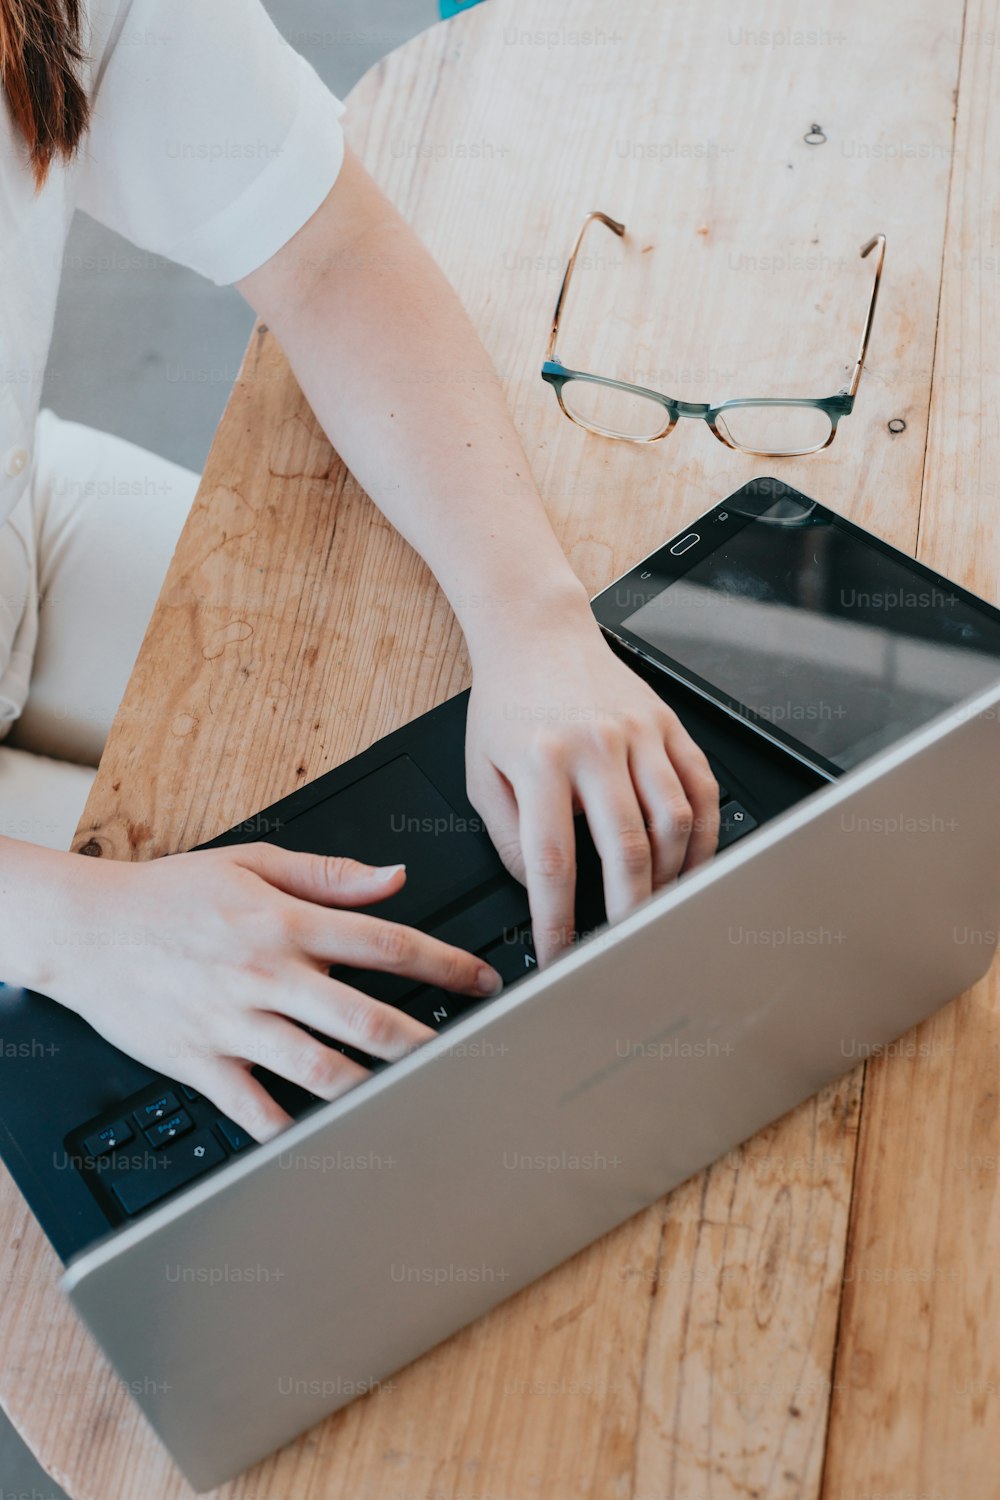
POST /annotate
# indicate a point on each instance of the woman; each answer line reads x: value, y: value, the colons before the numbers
x: 194, y: 130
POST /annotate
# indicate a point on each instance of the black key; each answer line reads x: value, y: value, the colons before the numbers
x: 156, y: 1109
x: 501, y: 911
x: 108, y: 1139
x: 169, y: 1129
x: 390, y: 988
x: 189, y: 1093
x: 436, y: 1007
x: 139, y: 1188
x: 513, y: 956
x: 735, y: 822
x: 237, y: 1138
x: 495, y: 912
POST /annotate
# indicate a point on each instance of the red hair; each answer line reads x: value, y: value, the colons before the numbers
x: 40, y: 53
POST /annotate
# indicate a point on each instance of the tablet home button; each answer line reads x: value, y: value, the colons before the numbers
x: 685, y: 544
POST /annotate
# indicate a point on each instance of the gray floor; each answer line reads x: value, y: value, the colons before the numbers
x: 151, y: 353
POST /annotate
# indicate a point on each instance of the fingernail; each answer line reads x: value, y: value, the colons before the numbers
x: 488, y: 981
x: 386, y: 872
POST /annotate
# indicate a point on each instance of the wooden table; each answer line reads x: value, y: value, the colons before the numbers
x: 818, y: 1313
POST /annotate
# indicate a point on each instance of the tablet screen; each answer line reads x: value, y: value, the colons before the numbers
x: 829, y: 637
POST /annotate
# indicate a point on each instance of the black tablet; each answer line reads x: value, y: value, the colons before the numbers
x: 813, y: 631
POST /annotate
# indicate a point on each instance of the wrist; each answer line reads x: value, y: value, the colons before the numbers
x: 524, y: 613
x: 40, y: 889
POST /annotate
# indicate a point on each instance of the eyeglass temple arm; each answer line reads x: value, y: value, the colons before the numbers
x: 879, y: 241
x: 616, y: 228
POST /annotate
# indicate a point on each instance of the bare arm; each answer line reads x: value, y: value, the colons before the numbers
x: 398, y: 377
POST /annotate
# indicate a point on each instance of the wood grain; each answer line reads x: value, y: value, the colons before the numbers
x: 690, y: 1353
x: 916, y: 1407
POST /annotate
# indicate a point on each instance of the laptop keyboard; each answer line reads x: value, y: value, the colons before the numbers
x: 159, y: 1140
x: 167, y: 1136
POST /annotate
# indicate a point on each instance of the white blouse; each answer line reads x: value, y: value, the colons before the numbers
x: 212, y: 142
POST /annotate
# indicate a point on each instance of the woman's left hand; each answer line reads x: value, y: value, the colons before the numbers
x: 558, y: 725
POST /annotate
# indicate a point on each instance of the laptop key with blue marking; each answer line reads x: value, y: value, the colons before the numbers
x: 168, y: 1129
x: 105, y: 1140
x: 156, y: 1108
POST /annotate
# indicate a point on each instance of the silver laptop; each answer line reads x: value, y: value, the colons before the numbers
x: 412, y: 1206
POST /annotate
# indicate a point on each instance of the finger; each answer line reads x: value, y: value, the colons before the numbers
x: 701, y: 789
x: 493, y: 798
x: 327, y: 879
x: 619, y: 831
x: 666, y: 810
x: 347, y: 1015
x: 273, y: 1042
x: 364, y: 942
x: 548, y: 845
x: 232, y: 1089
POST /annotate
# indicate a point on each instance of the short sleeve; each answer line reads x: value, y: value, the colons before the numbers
x: 212, y: 141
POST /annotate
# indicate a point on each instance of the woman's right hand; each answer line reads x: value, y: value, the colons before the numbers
x: 206, y: 964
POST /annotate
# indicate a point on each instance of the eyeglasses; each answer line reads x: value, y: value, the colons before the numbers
x: 773, y: 427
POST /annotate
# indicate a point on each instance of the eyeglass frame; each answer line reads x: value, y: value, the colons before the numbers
x: 558, y: 375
